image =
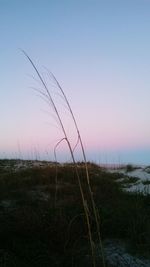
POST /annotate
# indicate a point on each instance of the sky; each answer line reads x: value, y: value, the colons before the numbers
x: 99, y: 51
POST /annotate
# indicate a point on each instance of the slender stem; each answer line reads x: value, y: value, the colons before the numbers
x: 86, y: 166
x: 69, y: 146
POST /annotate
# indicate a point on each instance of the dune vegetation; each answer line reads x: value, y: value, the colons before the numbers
x: 36, y: 229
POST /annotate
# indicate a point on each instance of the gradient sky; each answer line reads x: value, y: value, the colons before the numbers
x: 99, y: 50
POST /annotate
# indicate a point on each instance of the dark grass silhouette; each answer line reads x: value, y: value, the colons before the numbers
x: 36, y: 231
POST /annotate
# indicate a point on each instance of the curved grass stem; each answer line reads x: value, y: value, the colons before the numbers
x: 48, y: 97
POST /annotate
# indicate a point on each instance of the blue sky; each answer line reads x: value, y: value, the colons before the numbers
x: 99, y: 52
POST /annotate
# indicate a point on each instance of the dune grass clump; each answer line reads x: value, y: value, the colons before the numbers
x: 131, y: 168
x: 146, y: 182
x: 147, y: 169
x: 36, y: 231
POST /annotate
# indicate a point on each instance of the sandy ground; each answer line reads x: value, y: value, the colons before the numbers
x: 143, y: 182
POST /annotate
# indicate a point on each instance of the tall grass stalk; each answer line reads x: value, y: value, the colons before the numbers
x: 48, y: 97
x: 96, y: 215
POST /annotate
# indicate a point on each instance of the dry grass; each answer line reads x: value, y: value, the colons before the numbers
x: 89, y: 210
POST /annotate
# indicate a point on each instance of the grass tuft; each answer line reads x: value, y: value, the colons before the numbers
x: 36, y: 232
